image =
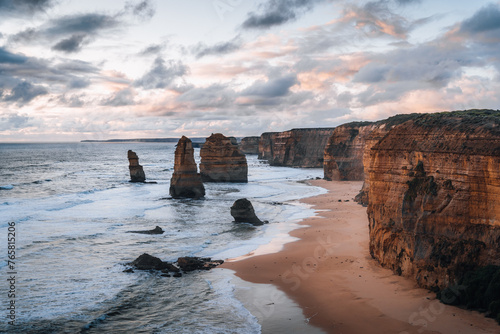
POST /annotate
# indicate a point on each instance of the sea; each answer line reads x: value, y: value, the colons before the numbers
x: 71, y: 207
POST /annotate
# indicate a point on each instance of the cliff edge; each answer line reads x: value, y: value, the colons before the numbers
x: 434, y: 196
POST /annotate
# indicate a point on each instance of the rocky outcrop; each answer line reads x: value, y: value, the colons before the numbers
x: 186, y: 264
x: 222, y: 161
x: 136, y: 171
x: 149, y: 262
x: 343, y: 157
x: 243, y: 212
x: 295, y: 148
x: 434, y: 196
x: 266, y: 145
x: 190, y: 263
x: 186, y: 181
x: 250, y: 145
x: 156, y: 230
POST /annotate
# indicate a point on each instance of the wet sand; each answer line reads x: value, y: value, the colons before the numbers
x: 329, y: 273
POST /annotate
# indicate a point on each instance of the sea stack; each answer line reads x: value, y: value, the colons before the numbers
x: 243, y: 212
x: 222, y: 161
x: 186, y: 181
x: 136, y: 172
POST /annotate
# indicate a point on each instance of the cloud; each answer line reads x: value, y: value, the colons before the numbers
x: 124, y: 97
x: 202, y: 50
x: 89, y: 23
x: 24, y: 7
x: 278, y: 12
x: 271, y: 88
x: 7, y: 57
x: 162, y: 74
x: 69, y: 45
x: 12, y: 121
x: 24, y: 92
x: 144, y: 10
x: 74, y: 31
x: 378, y: 18
x: 153, y: 49
x: 486, y: 19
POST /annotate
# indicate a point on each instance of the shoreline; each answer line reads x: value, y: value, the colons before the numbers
x: 330, y: 274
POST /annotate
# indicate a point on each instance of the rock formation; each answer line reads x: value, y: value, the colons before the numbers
x: 190, y: 263
x: 222, y: 161
x: 343, y: 157
x: 434, y: 196
x: 136, y: 172
x: 186, y: 264
x: 186, y: 181
x: 266, y: 145
x: 250, y: 145
x: 156, y: 230
x: 295, y: 148
x: 243, y: 212
x: 149, y: 262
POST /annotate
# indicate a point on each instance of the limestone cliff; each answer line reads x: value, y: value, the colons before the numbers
x: 136, y: 171
x: 295, y: 148
x: 249, y: 145
x: 186, y: 181
x: 222, y: 161
x: 434, y: 196
x: 343, y: 157
x: 266, y: 145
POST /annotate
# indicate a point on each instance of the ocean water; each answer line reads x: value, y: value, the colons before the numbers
x: 73, y: 206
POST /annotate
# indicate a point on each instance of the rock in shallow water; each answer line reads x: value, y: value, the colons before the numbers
x: 156, y: 230
x: 243, y: 212
x: 186, y: 264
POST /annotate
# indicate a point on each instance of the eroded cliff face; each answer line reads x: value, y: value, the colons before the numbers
x: 249, y: 145
x: 343, y: 157
x: 222, y: 161
x: 266, y: 145
x: 434, y: 196
x: 295, y: 148
x: 186, y: 181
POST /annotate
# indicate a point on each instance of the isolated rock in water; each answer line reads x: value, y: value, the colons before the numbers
x: 136, y: 172
x: 222, y: 161
x: 156, y: 230
x: 197, y: 263
x: 186, y: 181
x: 243, y: 212
x: 148, y: 262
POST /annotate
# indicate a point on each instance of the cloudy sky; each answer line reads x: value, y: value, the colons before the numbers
x: 93, y: 69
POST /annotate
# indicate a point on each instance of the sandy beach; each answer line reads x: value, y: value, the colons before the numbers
x: 330, y: 274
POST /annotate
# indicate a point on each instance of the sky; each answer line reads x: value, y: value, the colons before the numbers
x: 75, y: 70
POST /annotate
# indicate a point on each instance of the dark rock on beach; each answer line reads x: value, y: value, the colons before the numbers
x: 156, y: 230
x: 197, y: 263
x: 149, y: 262
x: 243, y: 212
x: 186, y: 264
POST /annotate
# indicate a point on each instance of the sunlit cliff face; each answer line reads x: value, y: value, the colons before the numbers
x: 74, y: 70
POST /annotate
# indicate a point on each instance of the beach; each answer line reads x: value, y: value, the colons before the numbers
x: 329, y: 273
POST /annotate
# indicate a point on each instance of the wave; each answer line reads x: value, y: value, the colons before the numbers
x: 7, y: 187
